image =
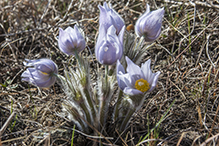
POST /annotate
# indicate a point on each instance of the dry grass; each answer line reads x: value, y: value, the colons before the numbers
x: 187, y: 54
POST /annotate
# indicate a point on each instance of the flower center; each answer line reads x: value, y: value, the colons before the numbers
x: 142, y: 85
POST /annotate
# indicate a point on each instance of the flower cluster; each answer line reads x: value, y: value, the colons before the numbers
x: 88, y: 100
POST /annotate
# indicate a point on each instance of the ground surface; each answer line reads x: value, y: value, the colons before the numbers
x: 187, y: 54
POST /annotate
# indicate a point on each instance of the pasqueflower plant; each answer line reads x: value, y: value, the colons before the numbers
x: 88, y: 103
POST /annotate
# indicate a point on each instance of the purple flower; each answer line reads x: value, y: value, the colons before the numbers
x: 137, y: 80
x: 149, y: 24
x: 109, y: 46
x: 71, y: 40
x: 41, y: 72
x: 108, y: 17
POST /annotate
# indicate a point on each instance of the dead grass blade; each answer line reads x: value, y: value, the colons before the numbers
x: 199, y: 34
x: 209, y: 139
x: 6, y: 124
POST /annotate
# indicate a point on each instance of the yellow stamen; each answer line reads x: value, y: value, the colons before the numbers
x: 142, y: 85
x: 44, y: 73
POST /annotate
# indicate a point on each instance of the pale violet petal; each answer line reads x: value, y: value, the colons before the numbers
x: 132, y: 91
x: 121, y: 80
x: 64, y: 42
x: 154, y: 82
x: 133, y: 69
x: 119, y: 67
x: 105, y: 5
x: 121, y: 34
x: 138, y: 30
x: 104, y: 18
x: 107, y: 54
x: 145, y: 67
x: 101, y: 36
x: 69, y: 29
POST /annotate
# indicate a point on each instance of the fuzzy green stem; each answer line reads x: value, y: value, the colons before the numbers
x: 103, y: 110
x: 103, y: 100
x: 76, y: 115
x: 81, y: 123
x: 90, y: 102
x: 106, y: 74
x: 119, y: 101
x: 140, y: 42
x: 59, y: 76
x: 85, y: 109
x: 64, y: 80
x: 126, y: 119
x: 78, y: 58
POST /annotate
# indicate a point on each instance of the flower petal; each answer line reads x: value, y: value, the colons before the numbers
x: 133, y: 69
x: 154, y: 82
x: 37, y: 78
x: 120, y: 75
x: 121, y: 34
x: 117, y: 21
x: 119, y: 67
x: 101, y: 36
x: 145, y: 67
x: 104, y: 18
x: 64, y: 42
x: 80, y: 39
x: 132, y: 91
x: 138, y: 29
x: 107, y: 54
x: 121, y: 80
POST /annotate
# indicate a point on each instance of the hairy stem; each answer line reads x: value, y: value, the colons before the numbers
x: 126, y: 119
x: 119, y: 101
x: 91, y: 103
